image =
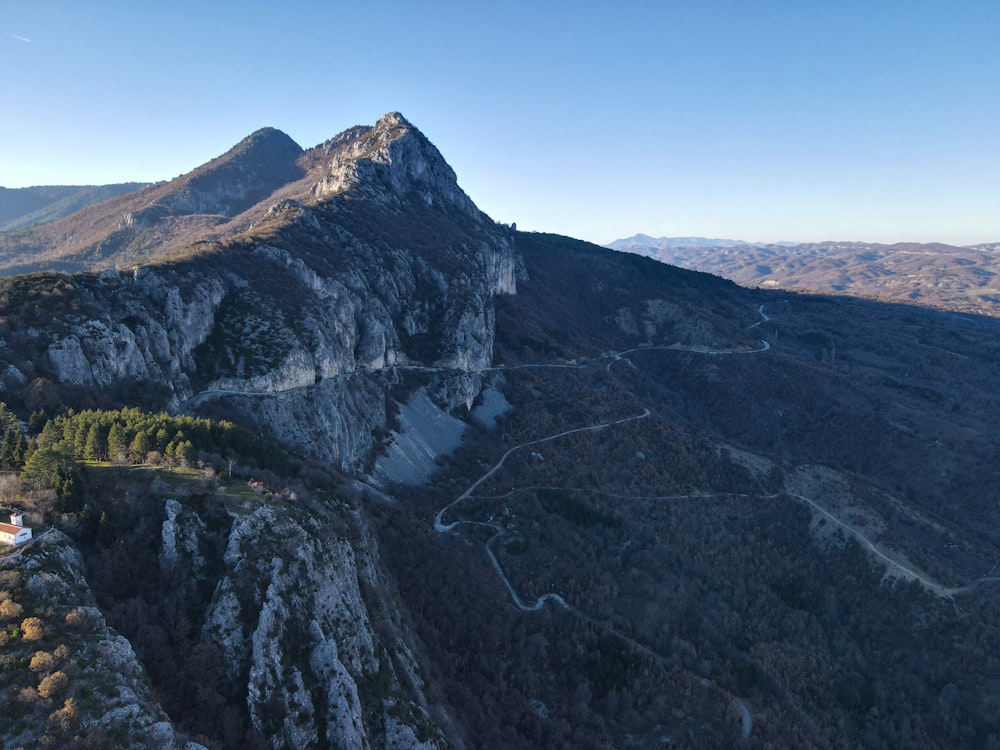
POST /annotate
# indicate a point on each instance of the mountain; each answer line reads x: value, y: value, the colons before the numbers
x: 21, y: 207
x: 344, y: 463
x: 388, y: 265
x: 934, y: 274
x: 138, y: 226
x: 644, y: 241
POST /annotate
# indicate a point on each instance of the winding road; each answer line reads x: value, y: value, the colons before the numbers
x: 746, y: 717
x: 441, y: 527
x: 208, y: 393
x: 764, y: 317
x: 740, y: 706
x: 945, y: 592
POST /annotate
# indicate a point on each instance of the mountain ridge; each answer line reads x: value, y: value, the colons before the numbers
x: 22, y: 207
x: 233, y: 193
x: 319, y: 273
x: 935, y: 274
x: 645, y: 240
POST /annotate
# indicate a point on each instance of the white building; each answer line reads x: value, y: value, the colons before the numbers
x: 15, y: 532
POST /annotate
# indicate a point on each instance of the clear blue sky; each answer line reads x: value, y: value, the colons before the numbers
x: 785, y: 120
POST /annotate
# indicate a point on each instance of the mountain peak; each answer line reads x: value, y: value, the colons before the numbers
x: 244, y: 175
x: 393, y: 119
x: 391, y: 165
x: 261, y: 146
x: 266, y: 132
x: 391, y: 158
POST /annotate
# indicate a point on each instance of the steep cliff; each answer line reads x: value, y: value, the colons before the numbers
x: 287, y: 636
x: 373, y: 264
x: 317, y: 671
x: 67, y: 675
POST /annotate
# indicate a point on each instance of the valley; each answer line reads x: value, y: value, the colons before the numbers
x: 502, y: 513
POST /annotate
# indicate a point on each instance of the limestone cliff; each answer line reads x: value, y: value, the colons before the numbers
x: 373, y: 264
x: 318, y: 673
x: 68, y: 674
x: 309, y: 632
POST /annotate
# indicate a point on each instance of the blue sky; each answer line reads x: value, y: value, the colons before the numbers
x: 756, y: 120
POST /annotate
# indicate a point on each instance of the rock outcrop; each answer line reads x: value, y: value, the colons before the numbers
x: 99, y: 661
x: 374, y: 264
x: 308, y: 629
x: 317, y: 671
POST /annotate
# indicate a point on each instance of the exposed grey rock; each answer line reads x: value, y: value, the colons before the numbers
x: 69, y: 361
x: 313, y: 366
x: 12, y: 376
x: 305, y: 650
x: 493, y: 406
x: 101, y: 656
x: 393, y: 158
x: 426, y: 432
x: 180, y: 533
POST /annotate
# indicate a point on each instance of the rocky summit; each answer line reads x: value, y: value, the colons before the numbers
x: 359, y: 260
x: 317, y: 455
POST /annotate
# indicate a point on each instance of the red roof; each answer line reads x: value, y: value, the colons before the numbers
x: 9, y: 528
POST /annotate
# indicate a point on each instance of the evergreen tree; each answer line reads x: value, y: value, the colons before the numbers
x: 12, y: 448
x: 68, y: 430
x: 70, y: 493
x: 162, y: 438
x: 95, y: 447
x: 37, y: 421
x: 117, y: 442
x: 83, y: 427
x: 170, y: 454
x: 185, y: 453
x: 45, y: 468
x: 141, y: 445
x: 7, y: 418
x: 51, y: 436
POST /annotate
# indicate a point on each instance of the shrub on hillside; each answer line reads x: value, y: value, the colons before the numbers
x: 32, y: 629
x: 53, y: 684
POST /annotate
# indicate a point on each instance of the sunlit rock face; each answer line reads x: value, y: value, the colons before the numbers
x: 374, y: 261
x: 309, y: 653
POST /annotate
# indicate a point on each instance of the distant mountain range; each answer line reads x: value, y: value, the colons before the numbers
x: 644, y: 241
x: 22, y: 207
x: 956, y: 278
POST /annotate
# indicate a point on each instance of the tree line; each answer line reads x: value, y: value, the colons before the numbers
x: 48, y: 451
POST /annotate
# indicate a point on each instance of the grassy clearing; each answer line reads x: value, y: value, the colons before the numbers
x: 177, y: 477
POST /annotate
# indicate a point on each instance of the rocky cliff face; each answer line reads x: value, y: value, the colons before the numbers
x: 389, y: 161
x: 364, y: 277
x: 374, y: 264
x: 70, y: 674
x: 307, y: 627
x: 316, y: 670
